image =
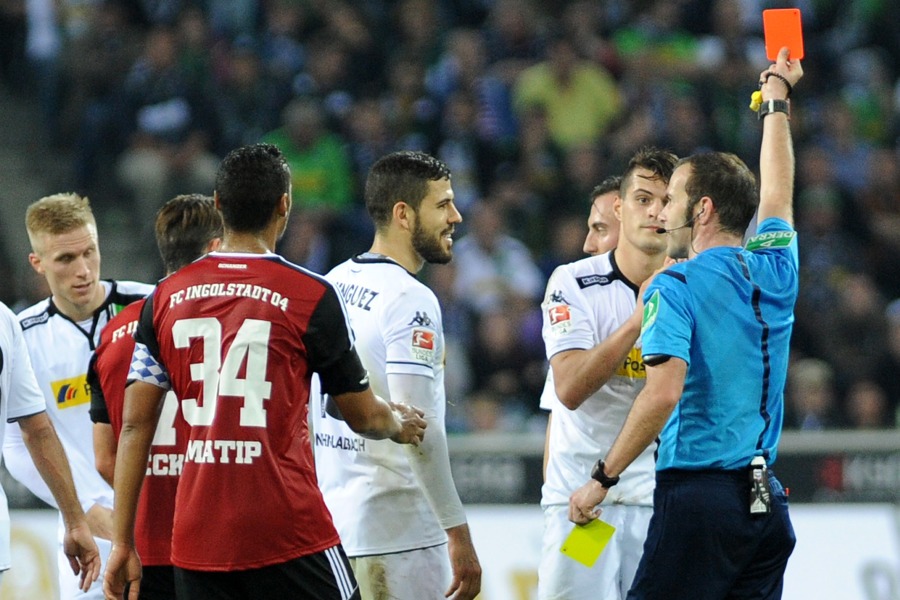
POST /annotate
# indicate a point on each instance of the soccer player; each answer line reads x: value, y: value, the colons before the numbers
x: 602, y: 236
x: 61, y: 332
x: 23, y: 403
x: 237, y: 336
x: 592, y: 319
x: 396, y: 510
x: 186, y: 228
x: 716, y: 342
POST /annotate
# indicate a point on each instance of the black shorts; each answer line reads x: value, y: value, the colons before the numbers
x: 703, y: 544
x: 322, y: 576
x: 157, y: 583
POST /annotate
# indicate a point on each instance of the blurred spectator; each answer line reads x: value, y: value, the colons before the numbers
x: 463, y: 68
x: 247, y: 104
x: 43, y: 49
x: 514, y: 38
x: 413, y: 114
x: 472, y: 160
x: 504, y: 362
x: 320, y: 170
x: 811, y: 399
x: 281, y: 51
x: 98, y: 64
x: 878, y: 202
x: 581, y: 98
x: 322, y: 179
x: 850, y: 154
x: 497, y: 270
x: 171, y: 131
x: 866, y: 406
x: 886, y: 371
x: 853, y: 332
x: 13, y: 30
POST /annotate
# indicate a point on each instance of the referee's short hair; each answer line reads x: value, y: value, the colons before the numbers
x: 400, y: 177
x: 729, y: 182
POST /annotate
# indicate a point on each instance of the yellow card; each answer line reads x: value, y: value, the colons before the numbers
x: 586, y: 542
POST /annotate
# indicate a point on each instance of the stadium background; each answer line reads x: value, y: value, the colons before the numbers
x: 87, y: 85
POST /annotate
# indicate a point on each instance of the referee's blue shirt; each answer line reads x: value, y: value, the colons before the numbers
x: 728, y: 313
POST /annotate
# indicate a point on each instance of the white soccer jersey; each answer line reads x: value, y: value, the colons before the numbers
x: 19, y: 397
x: 586, y: 301
x: 60, y: 351
x: 368, y: 485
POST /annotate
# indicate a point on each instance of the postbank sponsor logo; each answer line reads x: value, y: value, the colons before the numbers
x: 71, y: 392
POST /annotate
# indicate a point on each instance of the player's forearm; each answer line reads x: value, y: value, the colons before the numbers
x: 131, y: 466
x: 368, y: 415
x: 430, y: 462
x: 578, y: 374
x: 50, y: 460
x: 648, y: 415
x: 776, y: 168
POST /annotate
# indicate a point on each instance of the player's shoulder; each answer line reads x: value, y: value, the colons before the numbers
x: 586, y: 273
x: 122, y: 293
x: 34, y: 315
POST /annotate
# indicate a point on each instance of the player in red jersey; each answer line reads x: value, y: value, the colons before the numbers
x: 237, y: 336
x: 186, y: 228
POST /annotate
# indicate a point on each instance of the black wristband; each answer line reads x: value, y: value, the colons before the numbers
x: 599, y: 474
x: 772, y: 106
x: 784, y: 80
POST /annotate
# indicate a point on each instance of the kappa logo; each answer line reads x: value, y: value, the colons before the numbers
x: 556, y: 297
x: 422, y: 320
x: 71, y: 392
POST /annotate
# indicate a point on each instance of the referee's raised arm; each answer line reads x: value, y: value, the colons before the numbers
x: 776, y: 157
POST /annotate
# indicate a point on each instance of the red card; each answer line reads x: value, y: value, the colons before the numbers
x: 782, y: 28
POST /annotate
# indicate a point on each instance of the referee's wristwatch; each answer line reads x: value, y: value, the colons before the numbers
x: 599, y: 474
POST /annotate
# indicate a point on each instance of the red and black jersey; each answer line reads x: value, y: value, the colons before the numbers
x: 107, y: 375
x: 238, y: 337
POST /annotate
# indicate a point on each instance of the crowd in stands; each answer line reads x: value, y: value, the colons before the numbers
x: 531, y: 104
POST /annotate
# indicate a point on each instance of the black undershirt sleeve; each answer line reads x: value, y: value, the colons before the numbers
x: 330, y: 352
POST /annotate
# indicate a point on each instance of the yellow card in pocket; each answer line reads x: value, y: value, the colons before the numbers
x: 586, y: 542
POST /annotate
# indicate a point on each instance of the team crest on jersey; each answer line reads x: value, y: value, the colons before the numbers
x: 560, y: 318
x: 651, y: 309
x: 423, y: 345
x: 71, y: 392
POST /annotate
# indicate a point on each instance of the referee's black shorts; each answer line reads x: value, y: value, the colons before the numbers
x: 322, y: 576
x: 703, y: 544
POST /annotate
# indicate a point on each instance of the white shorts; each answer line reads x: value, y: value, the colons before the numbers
x: 414, y: 575
x: 562, y: 578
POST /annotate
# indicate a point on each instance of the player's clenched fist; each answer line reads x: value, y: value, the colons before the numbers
x: 412, y: 424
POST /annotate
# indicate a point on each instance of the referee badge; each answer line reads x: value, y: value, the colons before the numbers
x: 651, y: 309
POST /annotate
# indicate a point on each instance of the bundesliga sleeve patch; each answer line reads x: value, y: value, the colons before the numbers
x: 651, y: 309
x: 560, y: 317
x: 423, y: 345
x: 771, y: 239
x: 145, y: 368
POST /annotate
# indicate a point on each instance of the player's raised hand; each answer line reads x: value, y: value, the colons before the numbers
x: 779, y: 79
x: 412, y: 424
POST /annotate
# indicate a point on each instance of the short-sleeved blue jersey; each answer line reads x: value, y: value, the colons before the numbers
x: 728, y: 313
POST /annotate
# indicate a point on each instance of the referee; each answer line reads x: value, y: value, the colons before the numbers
x: 715, y: 335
